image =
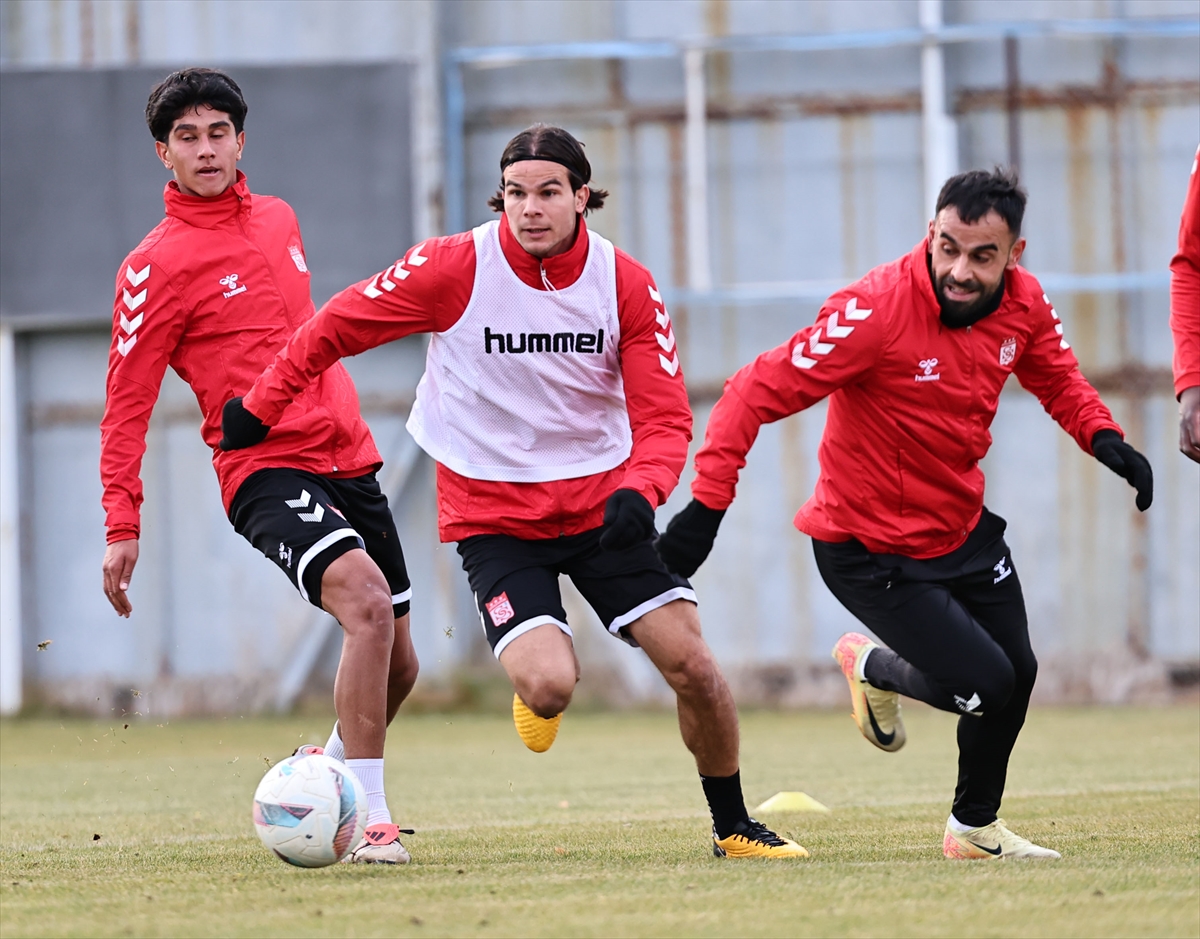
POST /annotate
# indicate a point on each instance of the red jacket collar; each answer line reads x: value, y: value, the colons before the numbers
x: 562, y: 270
x: 208, y: 213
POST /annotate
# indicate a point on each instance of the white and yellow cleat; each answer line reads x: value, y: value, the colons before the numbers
x: 876, y: 712
x: 537, y: 732
x: 752, y: 838
x: 993, y: 841
x: 380, y: 845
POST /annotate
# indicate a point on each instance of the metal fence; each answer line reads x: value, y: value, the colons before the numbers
x: 759, y: 155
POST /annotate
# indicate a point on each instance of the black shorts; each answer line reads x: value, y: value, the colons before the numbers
x: 516, y: 582
x: 304, y: 522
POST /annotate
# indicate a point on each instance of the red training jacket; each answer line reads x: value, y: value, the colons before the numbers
x: 431, y: 296
x: 214, y: 291
x: 1185, y: 289
x: 910, y: 404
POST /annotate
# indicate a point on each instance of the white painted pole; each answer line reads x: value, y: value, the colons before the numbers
x: 940, y: 133
x: 10, y: 545
x: 696, y: 170
x: 426, y: 122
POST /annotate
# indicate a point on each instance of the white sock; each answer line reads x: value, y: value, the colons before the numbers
x: 957, y: 826
x: 334, y: 746
x: 370, y: 774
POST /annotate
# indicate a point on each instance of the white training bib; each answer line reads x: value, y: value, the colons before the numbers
x: 526, y: 386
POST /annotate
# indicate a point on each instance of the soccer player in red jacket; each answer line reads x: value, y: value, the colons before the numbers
x: 1185, y: 318
x: 214, y: 291
x: 913, y: 358
x: 554, y: 405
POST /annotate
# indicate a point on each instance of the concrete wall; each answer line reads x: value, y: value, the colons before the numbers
x: 815, y: 167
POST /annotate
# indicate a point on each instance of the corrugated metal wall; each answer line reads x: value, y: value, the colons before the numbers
x: 815, y: 173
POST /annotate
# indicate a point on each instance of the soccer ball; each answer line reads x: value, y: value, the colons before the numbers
x: 310, y: 810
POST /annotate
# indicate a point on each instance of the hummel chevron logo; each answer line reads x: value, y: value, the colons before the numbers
x: 123, y: 345
x: 301, y: 503
x: 799, y: 359
x: 662, y: 318
x: 816, y: 347
x: 315, y: 515
x: 854, y: 313
x: 654, y: 294
x: 130, y: 325
x: 136, y: 277
x: 834, y: 331
x: 397, y: 270
x: 133, y: 302
x: 670, y: 366
x: 668, y: 341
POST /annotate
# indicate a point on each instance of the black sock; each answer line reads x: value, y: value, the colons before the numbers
x: 724, y: 794
x: 888, y: 672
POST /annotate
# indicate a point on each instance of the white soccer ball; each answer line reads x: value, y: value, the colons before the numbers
x: 310, y: 810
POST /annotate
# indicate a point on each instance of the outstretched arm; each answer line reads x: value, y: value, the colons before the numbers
x: 844, y: 343
x: 1048, y: 368
x: 422, y: 292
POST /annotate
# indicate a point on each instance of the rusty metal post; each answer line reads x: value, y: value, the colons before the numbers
x: 1012, y: 99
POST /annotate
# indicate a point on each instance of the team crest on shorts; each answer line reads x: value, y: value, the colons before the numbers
x: 1008, y: 350
x: 500, y: 610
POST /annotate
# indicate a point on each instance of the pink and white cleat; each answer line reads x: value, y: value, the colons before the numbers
x: 380, y: 845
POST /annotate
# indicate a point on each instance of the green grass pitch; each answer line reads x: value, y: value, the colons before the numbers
x: 605, y: 835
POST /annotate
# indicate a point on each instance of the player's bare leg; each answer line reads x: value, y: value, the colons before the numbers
x: 543, y: 668
x: 402, y: 670
x: 354, y: 590
x: 371, y: 674
x: 708, y: 719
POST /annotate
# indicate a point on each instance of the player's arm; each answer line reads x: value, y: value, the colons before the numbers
x: 660, y: 417
x: 844, y: 343
x: 404, y: 298
x: 1185, y: 318
x: 1048, y: 368
x: 148, y: 320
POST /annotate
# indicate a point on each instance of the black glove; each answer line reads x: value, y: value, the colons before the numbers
x: 628, y: 520
x: 1122, y: 459
x: 689, y: 538
x: 240, y: 428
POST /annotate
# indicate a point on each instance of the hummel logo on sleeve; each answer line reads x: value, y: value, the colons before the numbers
x: 666, y: 338
x: 383, y: 281
x: 587, y: 343
x: 1002, y: 569
x: 132, y: 302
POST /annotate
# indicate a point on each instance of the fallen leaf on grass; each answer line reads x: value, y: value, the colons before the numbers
x: 95, y: 837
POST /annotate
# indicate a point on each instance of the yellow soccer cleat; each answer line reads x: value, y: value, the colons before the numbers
x: 992, y: 841
x: 876, y: 712
x: 754, y: 839
x: 537, y: 732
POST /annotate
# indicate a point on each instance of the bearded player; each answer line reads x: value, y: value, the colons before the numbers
x: 214, y: 291
x: 554, y: 405
x: 913, y: 358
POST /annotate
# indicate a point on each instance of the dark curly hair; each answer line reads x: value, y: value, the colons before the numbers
x: 546, y: 142
x: 977, y: 192
x: 189, y: 88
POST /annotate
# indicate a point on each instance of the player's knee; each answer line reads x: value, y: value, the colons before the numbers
x: 403, y: 673
x: 693, y: 673
x: 547, y: 697
x: 996, y: 687
x: 367, y: 616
